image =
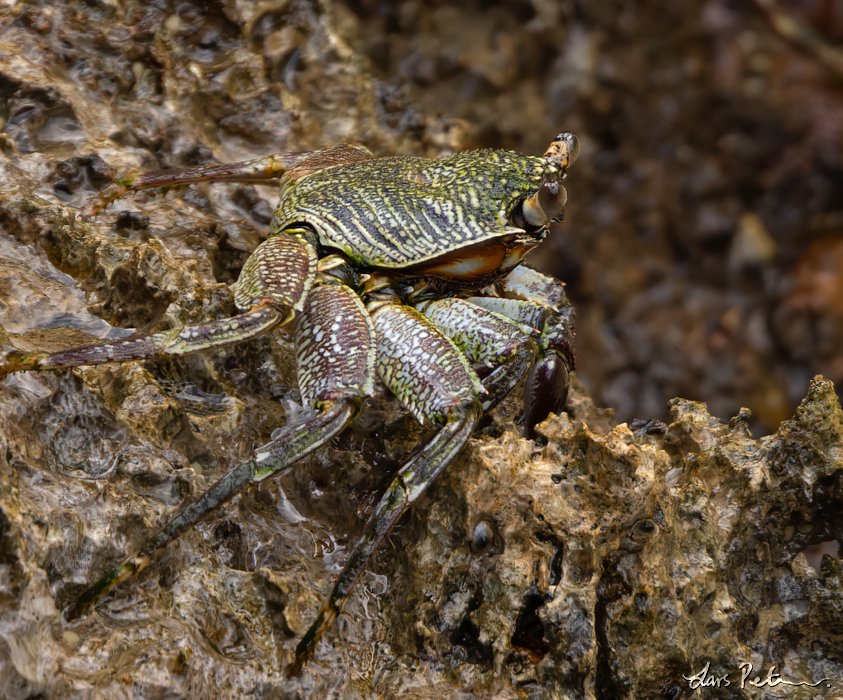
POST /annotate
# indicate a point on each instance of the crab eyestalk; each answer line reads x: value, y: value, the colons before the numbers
x: 548, y: 202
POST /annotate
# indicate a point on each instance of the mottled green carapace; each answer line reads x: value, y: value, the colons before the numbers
x: 400, y: 211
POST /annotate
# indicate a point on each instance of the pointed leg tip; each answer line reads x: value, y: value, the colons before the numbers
x: 305, y: 648
x: 77, y: 609
x: 294, y: 669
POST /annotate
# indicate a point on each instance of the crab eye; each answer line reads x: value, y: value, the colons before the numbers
x: 545, y: 205
x: 564, y: 150
x: 552, y: 198
x: 571, y: 144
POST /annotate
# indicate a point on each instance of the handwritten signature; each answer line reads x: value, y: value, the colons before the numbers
x: 705, y: 678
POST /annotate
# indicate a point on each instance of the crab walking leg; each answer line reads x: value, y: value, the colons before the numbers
x: 539, y: 301
x: 273, y: 285
x: 270, y: 459
x: 333, y: 380
x: 268, y: 168
x: 179, y: 341
x: 489, y: 339
x: 431, y: 377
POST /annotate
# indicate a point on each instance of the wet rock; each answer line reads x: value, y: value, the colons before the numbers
x: 601, y: 560
x: 594, y: 561
x: 629, y: 561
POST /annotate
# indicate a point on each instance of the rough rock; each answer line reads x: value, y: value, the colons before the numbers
x: 604, y: 560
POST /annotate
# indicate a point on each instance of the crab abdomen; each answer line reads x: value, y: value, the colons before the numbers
x: 447, y: 217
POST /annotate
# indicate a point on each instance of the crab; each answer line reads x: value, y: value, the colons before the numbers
x: 400, y: 269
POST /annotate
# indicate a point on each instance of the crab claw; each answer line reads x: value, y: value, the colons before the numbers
x: 546, y: 389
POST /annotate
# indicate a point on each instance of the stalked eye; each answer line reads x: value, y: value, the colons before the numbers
x: 552, y: 198
x: 545, y: 205
x: 564, y: 150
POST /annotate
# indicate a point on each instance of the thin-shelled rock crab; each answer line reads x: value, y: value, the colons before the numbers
x: 402, y: 269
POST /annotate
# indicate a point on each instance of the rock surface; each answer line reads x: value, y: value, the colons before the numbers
x: 603, y: 561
